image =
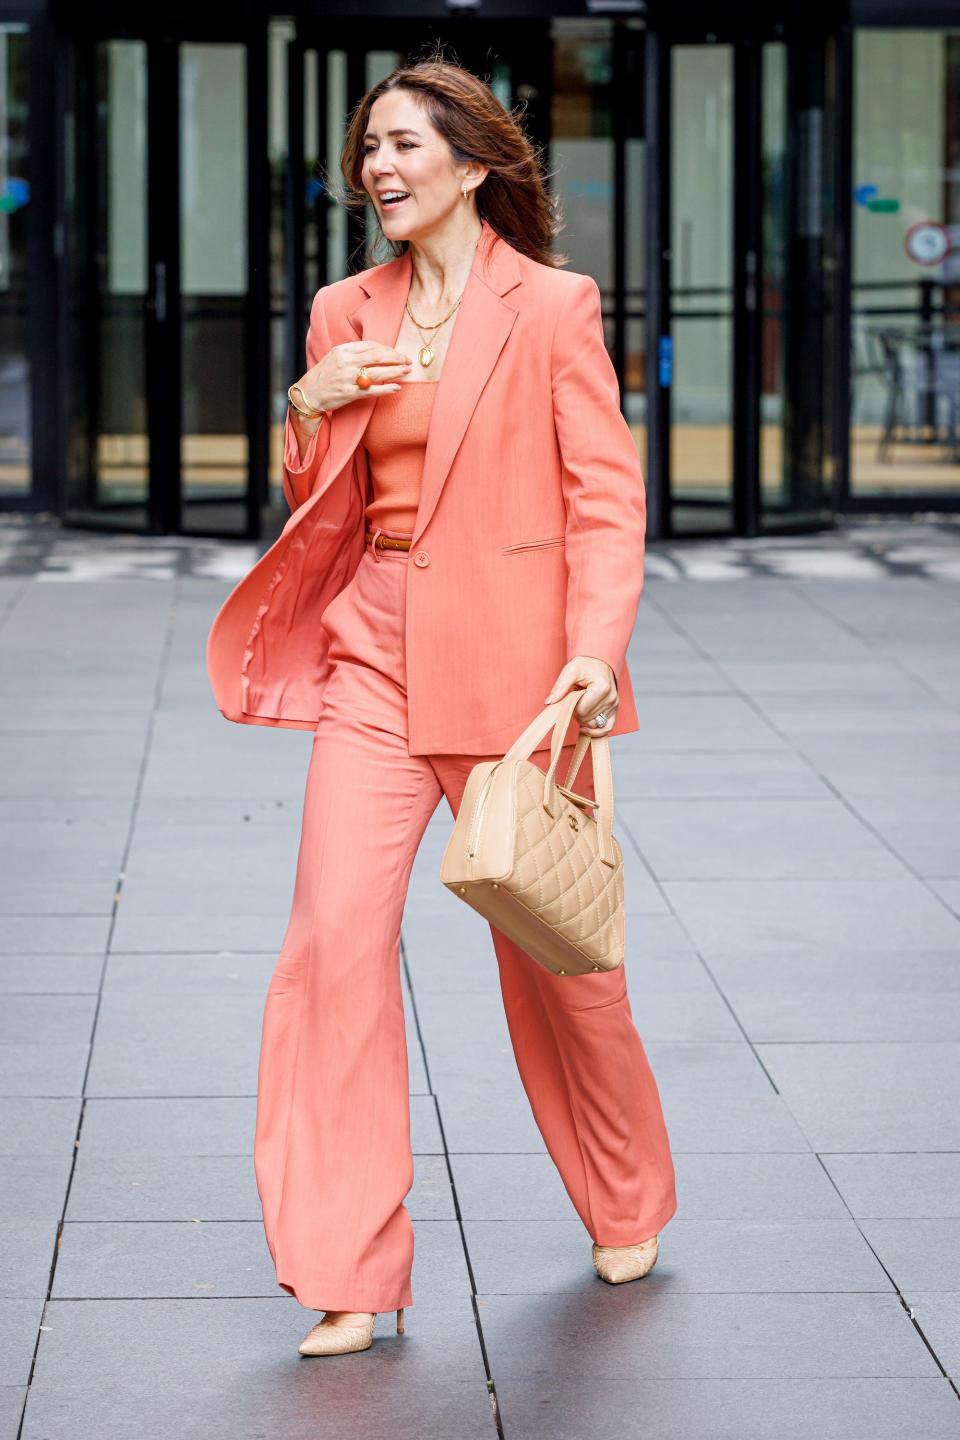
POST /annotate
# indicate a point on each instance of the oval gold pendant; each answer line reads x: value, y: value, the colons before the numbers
x: 425, y: 356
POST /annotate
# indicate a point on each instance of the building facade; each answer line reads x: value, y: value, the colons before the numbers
x: 768, y: 199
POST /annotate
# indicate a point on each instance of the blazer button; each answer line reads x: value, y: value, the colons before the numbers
x: 421, y: 558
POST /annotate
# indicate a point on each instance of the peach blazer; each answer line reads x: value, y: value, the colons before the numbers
x: 529, y: 539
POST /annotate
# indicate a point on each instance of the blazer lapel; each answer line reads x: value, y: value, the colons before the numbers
x: 480, y: 329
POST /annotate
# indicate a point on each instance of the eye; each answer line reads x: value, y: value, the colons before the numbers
x: 369, y: 149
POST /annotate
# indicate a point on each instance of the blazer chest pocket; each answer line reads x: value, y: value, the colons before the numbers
x: 533, y: 545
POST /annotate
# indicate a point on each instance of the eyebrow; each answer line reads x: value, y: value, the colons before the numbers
x: 372, y: 134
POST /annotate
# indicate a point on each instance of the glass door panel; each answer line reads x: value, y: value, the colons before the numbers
x: 797, y: 246
x: 701, y: 289
x: 905, y: 327
x: 16, y: 476
x: 214, y: 451
x: 108, y: 457
x: 773, y: 269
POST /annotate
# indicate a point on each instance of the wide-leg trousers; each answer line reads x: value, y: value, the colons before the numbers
x: 332, y: 1146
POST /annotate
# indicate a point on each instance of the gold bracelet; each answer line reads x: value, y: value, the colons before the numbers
x: 303, y: 410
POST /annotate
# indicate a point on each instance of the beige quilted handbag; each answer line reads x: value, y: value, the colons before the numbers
x: 537, y: 860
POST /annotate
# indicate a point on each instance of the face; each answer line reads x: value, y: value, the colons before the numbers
x: 403, y: 151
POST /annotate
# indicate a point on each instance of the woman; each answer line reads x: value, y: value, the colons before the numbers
x: 466, y: 544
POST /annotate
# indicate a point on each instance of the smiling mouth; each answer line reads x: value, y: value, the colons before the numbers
x: 394, y: 204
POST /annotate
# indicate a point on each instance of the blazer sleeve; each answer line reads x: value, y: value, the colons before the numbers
x: 299, y: 474
x: 603, y: 486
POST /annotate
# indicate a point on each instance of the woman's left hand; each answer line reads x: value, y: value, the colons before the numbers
x: 599, y: 696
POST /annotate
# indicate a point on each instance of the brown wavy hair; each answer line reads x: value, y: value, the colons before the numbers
x: 513, y: 198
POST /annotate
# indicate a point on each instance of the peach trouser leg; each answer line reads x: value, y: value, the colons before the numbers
x: 332, y: 1146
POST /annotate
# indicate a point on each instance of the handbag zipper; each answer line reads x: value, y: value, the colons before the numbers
x: 474, y: 838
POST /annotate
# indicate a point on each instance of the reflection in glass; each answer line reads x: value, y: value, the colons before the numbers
x: 15, y: 443
x: 701, y: 436
x: 213, y: 260
x: 905, y: 391
x: 582, y: 162
x: 108, y: 456
x: 773, y: 270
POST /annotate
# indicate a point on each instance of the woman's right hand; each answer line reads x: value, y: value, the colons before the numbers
x: 332, y: 383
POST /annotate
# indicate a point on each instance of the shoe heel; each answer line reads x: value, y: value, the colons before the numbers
x: 400, y: 1321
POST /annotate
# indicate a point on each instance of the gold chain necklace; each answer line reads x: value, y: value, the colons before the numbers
x: 426, y: 354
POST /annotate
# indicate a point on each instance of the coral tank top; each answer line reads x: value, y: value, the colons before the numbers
x: 395, y: 439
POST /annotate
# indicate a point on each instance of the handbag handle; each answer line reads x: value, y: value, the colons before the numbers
x: 557, y: 716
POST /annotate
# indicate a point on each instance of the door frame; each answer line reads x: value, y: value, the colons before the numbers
x: 746, y: 503
x: 163, y: 327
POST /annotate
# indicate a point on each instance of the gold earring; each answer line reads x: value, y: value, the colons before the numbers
x: 464, y: 191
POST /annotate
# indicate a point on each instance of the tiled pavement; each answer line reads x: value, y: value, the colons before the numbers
x: 789, y: 813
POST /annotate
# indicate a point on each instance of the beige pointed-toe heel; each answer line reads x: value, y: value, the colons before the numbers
x: 329, y: 1338
x: 617, y: 1263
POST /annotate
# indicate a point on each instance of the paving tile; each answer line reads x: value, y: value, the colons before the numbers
x: 33, y: 1187
x: 675, y: 999
x: 744, y: 1113
x: 714, y: 722
x: 938, y: 1315
x: 207, y: 1188
x: 494, y: 1117
x: 919, y: 1255
x: 841, y: 994
x: 30, y: 1127
x: 804, y: 718
x: 845, y: 758
x: 42, y: 1071
x: 78, y: 846
x: 775, y: 840
x: 74, y: 765
x: 807, y: 916
x: 265, y: 898
x: 163, y: 1047
x: 203, y: 932
x: 864, y: 677
x: 633, y: 1333
x: 57, y: 897
x: 18, y: 1336
x: 47, y: 1019
x: 12, y: 1399
x: 238, y: 1374
x: 712, y: 774
x: 870, y: 1097
x: 79, y: 934
x: 770, y: 1188
x: 696, y: 1256
x: 949, y: 892
x: 930, y: 847
x: 146, y: 1127
x: 156, y: 1261
x: 229, y: 815
x: 26, y: 1254
x: 883, y: 799
x: 50, y: 974
x: 717, y: 1409
x: 147, y: 1260
x: 892, y: 1187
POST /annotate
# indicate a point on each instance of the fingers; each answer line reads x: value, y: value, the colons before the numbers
x: 599, y: 702
x: 385, y: 366
x: 599, y: 697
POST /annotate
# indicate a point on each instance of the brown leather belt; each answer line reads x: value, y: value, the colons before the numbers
x: 389, y: 542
